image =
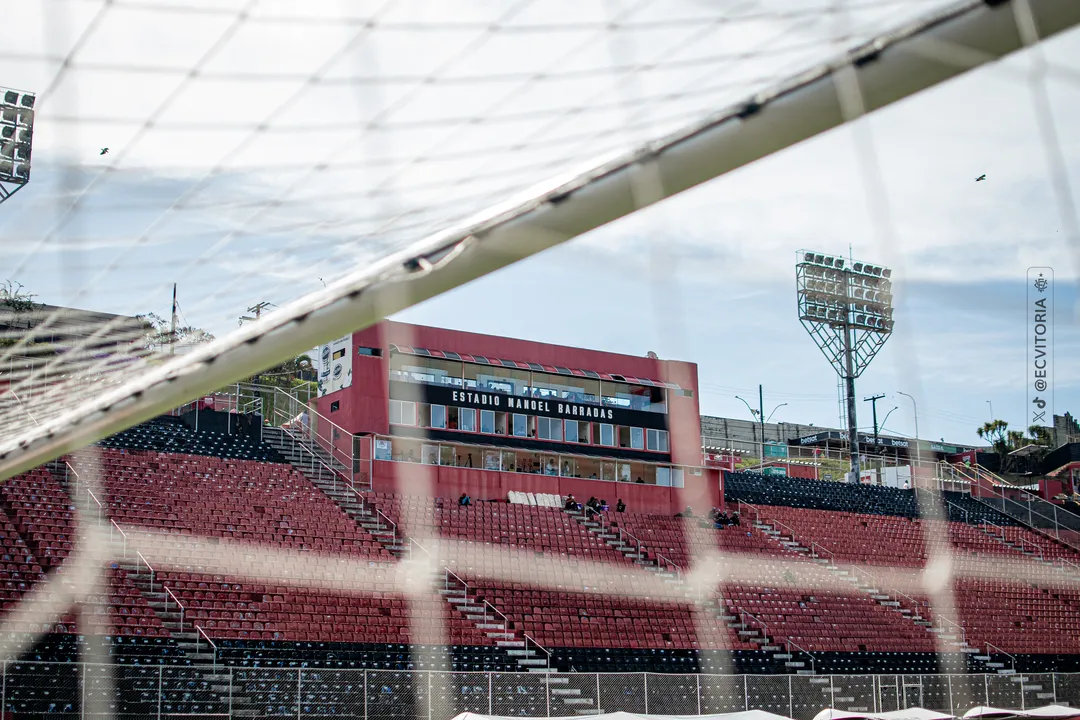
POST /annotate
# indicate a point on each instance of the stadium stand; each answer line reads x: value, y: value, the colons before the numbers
x: 166, y: 477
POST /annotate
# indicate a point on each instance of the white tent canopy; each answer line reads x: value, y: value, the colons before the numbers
x: 905, y: 714
x: 1048, y: 712
x: 748, y: 715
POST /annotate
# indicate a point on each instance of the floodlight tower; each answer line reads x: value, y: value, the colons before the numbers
x: 16, y: 136
x: 848, y: 311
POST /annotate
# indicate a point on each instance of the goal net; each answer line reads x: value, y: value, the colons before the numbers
x: 346, y: 161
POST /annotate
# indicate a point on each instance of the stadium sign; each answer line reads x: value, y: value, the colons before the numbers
x: 543, y: 407
x: 824, y: 437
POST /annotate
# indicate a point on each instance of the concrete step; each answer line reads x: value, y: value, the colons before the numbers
x: 518, y: 652
x: 809, y: 672
x: 510, y: 644
x: 501, y: 635
x: 532, y: 662
x: 783, y: 656
x: 579, y: 701
x: 566, y: 692
x: 491, y: 626
x: 795, y: 664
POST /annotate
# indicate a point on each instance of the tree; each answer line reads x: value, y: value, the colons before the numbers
x: 15, y: 298
x: 1005, y: 441
x: 159, y: 334
x: 16, y: 314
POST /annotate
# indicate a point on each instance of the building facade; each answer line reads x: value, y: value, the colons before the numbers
x: 488, y: 415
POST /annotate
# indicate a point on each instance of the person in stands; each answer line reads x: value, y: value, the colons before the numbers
x: 687, y: 513
x: 734, y: 519
x: 592, y: 507
x: 604, y: 506
x: 620, y: 506
x: 571, y: 503
x: 464, y: 500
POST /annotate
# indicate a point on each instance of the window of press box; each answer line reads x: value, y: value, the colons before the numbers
x: 427, y: 370
x: 528, y: 461
x: 369, y: 352
x: 630, y: 396
x: 335, y: 406
x: 489, y: 378
x: 657, y: 440
x: 607, y: 435
x: 549, y: 429
x: 572, y: 389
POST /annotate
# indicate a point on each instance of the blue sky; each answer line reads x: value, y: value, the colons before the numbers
x: 237, y: 217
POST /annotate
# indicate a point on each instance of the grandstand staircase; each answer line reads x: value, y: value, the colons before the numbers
x: 180, y: 630
x: 787, y: 540
x: 740, y: 625
x: 493, y: 624
x: 183, y: 631
x: 328, y: 476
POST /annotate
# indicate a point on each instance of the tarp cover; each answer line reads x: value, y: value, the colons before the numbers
x: 748, y: 715
x: 905, y: 714
x: 1047, y: 712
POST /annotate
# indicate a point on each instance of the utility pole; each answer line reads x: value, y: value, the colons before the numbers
x: 874, y: 400
x: 257, y: 309
x: 172, y: 326
x: 761, y: 416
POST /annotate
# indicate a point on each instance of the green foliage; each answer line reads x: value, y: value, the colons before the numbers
x: 159, y: 333
x: 14, y: 297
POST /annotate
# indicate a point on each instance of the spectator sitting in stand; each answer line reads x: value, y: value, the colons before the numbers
x: 464, y: 500
x: 592, y: 507
x: 571, y: 503
x: 604, y: 506
x: 620, y: 506
x: 734, y: 519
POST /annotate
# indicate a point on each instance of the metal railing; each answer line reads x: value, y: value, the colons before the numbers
x: 169, y: 594
x: 487, y: 606
x: 991, y: 648
x: 201, y: 635
x: 788, y: 643
x: 1043, y: 516
x: 63, y: 691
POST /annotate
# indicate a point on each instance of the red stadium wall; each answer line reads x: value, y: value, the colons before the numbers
x: 363, y: 407
x: 701, y: 492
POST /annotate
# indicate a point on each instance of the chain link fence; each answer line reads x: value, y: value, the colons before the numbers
x: 72, y: 690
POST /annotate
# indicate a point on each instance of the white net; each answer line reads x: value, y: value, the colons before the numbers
x: 349, y: 160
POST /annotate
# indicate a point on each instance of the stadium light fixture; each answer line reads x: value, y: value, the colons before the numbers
x: 16, y: 140
x: 849, y: 314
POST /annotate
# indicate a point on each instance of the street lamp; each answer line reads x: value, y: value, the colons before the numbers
x: 991, y: 404
x: 882, y: 426
x: 918, y: 450
x: 774, y: 410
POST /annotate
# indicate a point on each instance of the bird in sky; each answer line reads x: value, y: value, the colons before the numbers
x: 981, y: 177
x: 104, y: 151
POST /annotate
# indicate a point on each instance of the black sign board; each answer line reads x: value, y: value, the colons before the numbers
x: 543, y: 407
x: 823, y: 437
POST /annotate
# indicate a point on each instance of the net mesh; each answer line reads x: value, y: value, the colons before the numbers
x: 324, y: 154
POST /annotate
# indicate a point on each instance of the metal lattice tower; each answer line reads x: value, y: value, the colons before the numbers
x: 848, y: 311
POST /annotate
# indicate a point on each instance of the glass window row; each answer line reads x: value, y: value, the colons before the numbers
x: 492, y: 422
x: 527, y: 461
x: 526, y: 383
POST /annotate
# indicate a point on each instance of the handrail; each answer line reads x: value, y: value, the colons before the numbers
x: 816, y: 551
x: 804, y: 651
x: 506, y: 621
x: 857, y: 570
x: 200, y: 631
x: 1012, y: 658
x: 169, y: 594
x: 946, y: 621
x: 149, y: 567
x: 101, y: 508
x: 122, y: 534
